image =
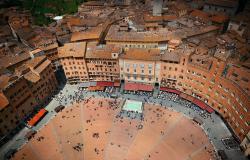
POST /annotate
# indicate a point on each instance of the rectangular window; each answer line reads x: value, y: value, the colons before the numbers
x: 234, y: 74
x: 150, y: 66
x: 245, y: 109
x: 237, y: 124
x: 242, y: 131
x: 209, y: 88
x: 216, y: 93
x: 244, y: 79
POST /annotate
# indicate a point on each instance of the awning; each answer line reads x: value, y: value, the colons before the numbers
x: 92, y: 83
x: 84, y: 85
x: 117, y: 83
x: 187, y: 97
x: 96, y: 88
x: 105, y: 84
x: 138, y: 87
x: 145, y: 87
x: 170, y: 90
x: 209, y: 109
x: 131, y: 87
x: 202, y: 105
x: 37, y: 117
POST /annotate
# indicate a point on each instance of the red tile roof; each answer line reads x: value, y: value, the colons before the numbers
x: 90, y: 34
x: 3, y: 101
x: 76, y: 49
x: 219, y: 18
x: 142, y: 54
x: 199, y: 14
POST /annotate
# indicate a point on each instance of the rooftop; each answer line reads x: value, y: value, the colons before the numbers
x: 224, y: 3
x: 4, y: 81
x: 101, y: 51
x: 35, y: 62
x: 90, y: 34
x: 11, y: 60
x: 142, y: 54
x: 173, y: 56
x: 76, y: 49
x: 132, y: 36
x: 3, y: 101
x: 32, y: 77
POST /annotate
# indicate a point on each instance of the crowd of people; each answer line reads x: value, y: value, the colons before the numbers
x: 139, y: 93
x: 69, y: 99
x: 79, y: 95
x: 82, y: 94
x: 130, y: 114
x: 183, y: 102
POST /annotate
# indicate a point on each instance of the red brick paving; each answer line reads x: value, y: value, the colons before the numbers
x: 165, y: 135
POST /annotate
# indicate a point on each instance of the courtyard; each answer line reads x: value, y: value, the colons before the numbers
x: 91, y: 129
x: 68, y: 128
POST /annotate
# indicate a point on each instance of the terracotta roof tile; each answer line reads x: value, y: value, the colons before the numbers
x: 93, y: 33
x: 147, y: 36
x: 173, y: 56
x: 219, y: 18
x: 142, y: 54
x: 200, y: 14
x: 225, y: 3
x: 104, y: 52
x: 32, y: 77
x: 8, y: 61
x: 4, y: 81
x: 76, y: 49
x: 34, y: 63
x: 43, y: 66
x: 3, y: 101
